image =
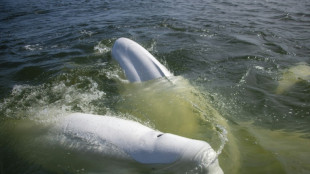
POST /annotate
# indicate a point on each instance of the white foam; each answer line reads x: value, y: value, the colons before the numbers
x: 85, y: 32
x: 102, y: 48
x: 33, y: 47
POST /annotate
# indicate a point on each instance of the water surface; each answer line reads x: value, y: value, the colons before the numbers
x: 55, y: 58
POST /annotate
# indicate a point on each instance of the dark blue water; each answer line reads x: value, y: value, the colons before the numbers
x: 56, y: 54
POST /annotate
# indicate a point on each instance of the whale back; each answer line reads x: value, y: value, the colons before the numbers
x: 138, y: 142
x: 138, y: 64
x: 141, y: 143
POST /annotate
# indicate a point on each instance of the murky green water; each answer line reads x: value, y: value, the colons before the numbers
x: 229, y: 58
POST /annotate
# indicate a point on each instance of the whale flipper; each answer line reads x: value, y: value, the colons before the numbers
x: 139, y: 65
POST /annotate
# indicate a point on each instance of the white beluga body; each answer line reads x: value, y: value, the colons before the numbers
x: 139, y: 142
x: 138, y: 64
x: 132, y: 141
x: 107, y: 143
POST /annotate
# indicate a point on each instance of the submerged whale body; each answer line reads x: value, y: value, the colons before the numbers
x: 292, y: 76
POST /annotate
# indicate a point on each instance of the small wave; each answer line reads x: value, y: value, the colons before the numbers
x: 259, y: 68
x: 223, y: 137
x: 102, y: 48
x: 88, y: 33
x: 34, y: 47
x: 152, y: 47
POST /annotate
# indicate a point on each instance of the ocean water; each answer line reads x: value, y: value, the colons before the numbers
x: 248, y: 60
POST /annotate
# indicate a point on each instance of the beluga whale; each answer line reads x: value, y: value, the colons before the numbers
x: 108, y: 143
x: 112, y: 143
x: 169, y: 102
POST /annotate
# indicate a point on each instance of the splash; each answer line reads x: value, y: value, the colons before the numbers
x: 66, y: 95
x: 102, y: 47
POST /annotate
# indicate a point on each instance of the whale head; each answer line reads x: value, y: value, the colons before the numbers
x: 180, y: 153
